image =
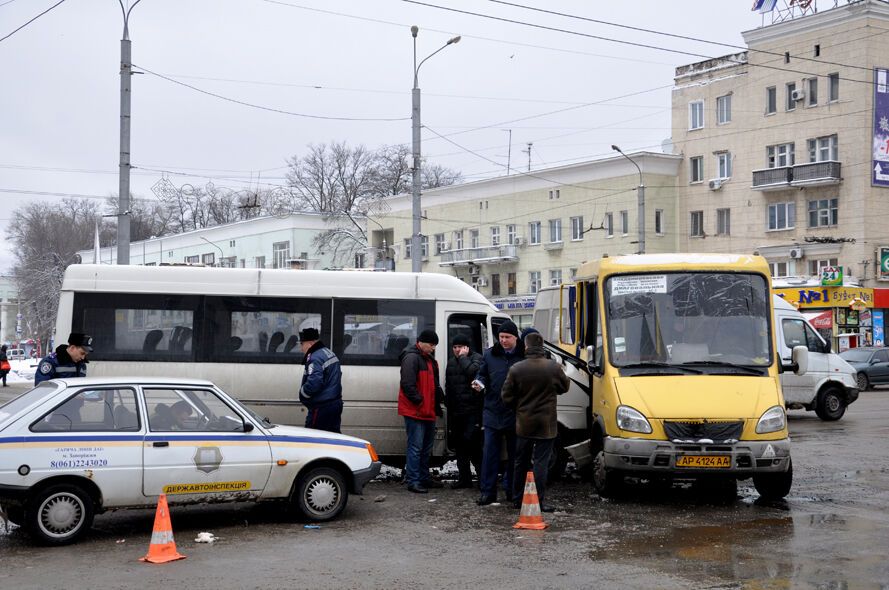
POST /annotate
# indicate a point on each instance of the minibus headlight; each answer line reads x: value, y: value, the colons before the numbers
x: 772, y: 420
x: 632, y: 420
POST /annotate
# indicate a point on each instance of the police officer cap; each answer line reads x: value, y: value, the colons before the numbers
x: 83, y: 340
x: 428, y: 336
x: 309, y: 334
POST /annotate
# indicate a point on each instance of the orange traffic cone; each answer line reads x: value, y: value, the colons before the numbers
x: 163, y: 547
x: 530, y: 517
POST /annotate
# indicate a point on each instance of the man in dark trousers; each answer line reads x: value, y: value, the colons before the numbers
x: 321, y: 391
x: 464, y: 408
x: 68, y: 360
x: 498, y: 419
x: 531, y: 388
x: 419, y: 402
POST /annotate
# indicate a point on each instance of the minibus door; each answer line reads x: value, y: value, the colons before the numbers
x: 475, y: 327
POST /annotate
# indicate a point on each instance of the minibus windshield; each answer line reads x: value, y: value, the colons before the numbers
x: 687, y: 318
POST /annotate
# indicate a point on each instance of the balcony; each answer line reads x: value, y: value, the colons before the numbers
x: 816, y: 174
x: 772, y: 179
x: 486, y: 255
x: 553, y: 245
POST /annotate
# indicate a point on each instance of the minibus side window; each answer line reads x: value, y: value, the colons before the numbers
x: 375, y: 331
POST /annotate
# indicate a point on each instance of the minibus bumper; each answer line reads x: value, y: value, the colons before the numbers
x: 742, y: 459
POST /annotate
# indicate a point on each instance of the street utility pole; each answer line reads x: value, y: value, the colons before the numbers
x: 123, y: 191
x: 640, y: 194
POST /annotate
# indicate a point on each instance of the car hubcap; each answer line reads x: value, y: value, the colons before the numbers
x: 862, y: 382
x: 833, y: 403
x: 61, y: 514
x: 322, y: 495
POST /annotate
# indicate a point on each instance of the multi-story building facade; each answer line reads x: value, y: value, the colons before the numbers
x: 512, y: 235
x: 9, y: 311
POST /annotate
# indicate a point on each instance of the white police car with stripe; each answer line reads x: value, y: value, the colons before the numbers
x: 72, y: 448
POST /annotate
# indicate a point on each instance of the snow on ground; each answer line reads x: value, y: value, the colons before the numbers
x: 22, y: 371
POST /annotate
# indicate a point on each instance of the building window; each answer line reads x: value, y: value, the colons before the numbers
x: 511, y: 283
x: 510, y: 234
x: 577, y: 228
x: 424, y: 246
x: 555, y: 277
x: 495, y: 284
x: 208, y: 259
x: 724, y: 109
x: 723, y: 222
x: 823, y: 212
x: 553, y: 194
x: 407, y: 248
x: 696, y: 115
x: 812, y: 92
x: 359, y: 260
x: 260, y: 262
x: 228, y: 262
x: 439, y: 243
x: 458, y: 240
x: 555, y: 230
x: 572, y: 272
x: 533, y: 281
x: 280, y: 254
x: 779, y: 269
x: 659, y: 222
x: 495, y: 235
x: 791, y: 102
x: 534, y: 232
x: 231, y: 243
x: 473, y: 238
x: 816, y: 266
x: 696, y: 169
x: 823, y: 149
x: 609, y: 225
x: 624, y: 222
x: 779, y: 156
x: 724, y: 165
x: 771, y: 100
x: 782, y: 216
x: 833, y: 87
x: 696, y: 224
x: 193, y: 259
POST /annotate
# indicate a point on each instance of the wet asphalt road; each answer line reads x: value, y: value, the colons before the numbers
x: 832, y: 532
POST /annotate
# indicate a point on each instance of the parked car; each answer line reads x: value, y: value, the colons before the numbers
x: 871, y: 364
x: 72, y: 448
x: 16, y: 354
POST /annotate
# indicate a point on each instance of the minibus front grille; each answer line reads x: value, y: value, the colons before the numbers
x: 718, y: 432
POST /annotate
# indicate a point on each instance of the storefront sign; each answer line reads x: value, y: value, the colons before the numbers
x: 878, y: 328
x: 827, y: 296
x: 820, y: 321
x: 832, y: 276
x: 510, y: 303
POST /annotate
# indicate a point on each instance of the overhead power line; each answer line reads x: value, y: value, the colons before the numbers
x: 30, y: 21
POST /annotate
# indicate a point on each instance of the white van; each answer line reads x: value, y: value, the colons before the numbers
x: 829, y: 385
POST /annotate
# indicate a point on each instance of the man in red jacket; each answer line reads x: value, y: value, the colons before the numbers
x: 419, y: 401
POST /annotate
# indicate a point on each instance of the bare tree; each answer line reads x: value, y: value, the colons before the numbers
x: 148, y: 218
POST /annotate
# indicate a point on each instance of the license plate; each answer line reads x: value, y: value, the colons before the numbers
x: 705, y: 461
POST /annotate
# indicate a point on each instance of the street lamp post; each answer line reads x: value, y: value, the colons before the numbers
x: 640, y: 194
x: 123, y: 192
x: 416, y: 257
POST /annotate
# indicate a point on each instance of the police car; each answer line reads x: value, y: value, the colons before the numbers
x: 72, y: 448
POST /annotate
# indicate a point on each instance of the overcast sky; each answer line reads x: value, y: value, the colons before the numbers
x: 330, y: 60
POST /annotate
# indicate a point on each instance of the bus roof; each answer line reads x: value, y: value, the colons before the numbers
x: 106, y: 278
x: 681, y: 261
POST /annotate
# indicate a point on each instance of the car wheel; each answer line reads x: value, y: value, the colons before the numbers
x: 863, y: 382
x: 320, y: 494
x: 607, y: 482
x: 831, y: 404
x: 774, y: 486
x: 60, y: 514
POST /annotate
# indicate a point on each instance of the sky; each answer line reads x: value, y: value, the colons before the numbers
x: 233, y: 88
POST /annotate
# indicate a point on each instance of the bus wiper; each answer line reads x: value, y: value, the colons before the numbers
x: 660, y: 365
x: 752, y: 370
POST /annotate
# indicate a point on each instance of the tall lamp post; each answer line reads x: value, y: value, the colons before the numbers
x: 640, y: 194
x: 416, y: 258
x: 123, y: 192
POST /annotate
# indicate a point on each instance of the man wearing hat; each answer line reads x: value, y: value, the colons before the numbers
x: 419, y: 399
x: 464, y: 408
x: 68, y: 360
x: 321, y: 391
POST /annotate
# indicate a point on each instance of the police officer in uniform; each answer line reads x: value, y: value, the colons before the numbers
x: 321, y: 391
x: 67, y: 360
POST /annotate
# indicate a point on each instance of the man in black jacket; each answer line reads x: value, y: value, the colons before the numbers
x: 464, y: 408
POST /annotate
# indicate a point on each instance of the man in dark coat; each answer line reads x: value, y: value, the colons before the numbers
x: 419, y: 399
x: 531, y: 388
x: 321, y: 391
x: 497, y: 418
x: 67, y: 360
x: 464, y: 408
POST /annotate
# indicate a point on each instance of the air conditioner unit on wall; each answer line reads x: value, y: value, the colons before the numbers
x: 796, y: 252
x: 518, y: 241
x: 482, y: 282
x: 715, y: 184
x: 798, y: 94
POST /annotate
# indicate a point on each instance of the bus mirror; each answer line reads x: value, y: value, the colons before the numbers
x: 800, y: 360
x: 591, y: 358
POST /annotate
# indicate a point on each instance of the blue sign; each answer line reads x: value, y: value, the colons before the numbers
x: 880, y: 164
x: 878, y: 328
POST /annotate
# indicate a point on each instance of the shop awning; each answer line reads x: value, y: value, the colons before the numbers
x: 821, y: 320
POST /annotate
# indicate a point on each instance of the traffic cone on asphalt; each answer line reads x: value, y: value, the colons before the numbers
x: 530, y: 517
x: 163, y: 547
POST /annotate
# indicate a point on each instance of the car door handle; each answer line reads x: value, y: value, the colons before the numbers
x: 161, y: 443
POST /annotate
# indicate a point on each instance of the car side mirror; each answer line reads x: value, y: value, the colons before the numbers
x: 799, y: 360
x: 827, y: 346
x: 248, y: 426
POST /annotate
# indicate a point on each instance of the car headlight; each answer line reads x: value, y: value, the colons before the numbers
x: 772, y: 420
x: 632, y: 420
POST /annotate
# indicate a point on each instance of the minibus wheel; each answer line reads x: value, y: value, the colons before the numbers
x: 607, y: 482
x: 831, y: 404
x: 774, y: 486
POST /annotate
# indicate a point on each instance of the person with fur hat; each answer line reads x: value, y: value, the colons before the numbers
x: 321, y: 391
x: 498, y: 419
x: 68, y: 360
x: 419, y: 402
x: 464, y: 408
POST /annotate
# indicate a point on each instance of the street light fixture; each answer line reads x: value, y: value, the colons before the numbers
x: 416, y: 258
x: 640, y: 193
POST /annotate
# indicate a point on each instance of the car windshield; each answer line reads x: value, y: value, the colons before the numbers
x: 684, y: 318
x: 855, y: 355
x: 26, y: 400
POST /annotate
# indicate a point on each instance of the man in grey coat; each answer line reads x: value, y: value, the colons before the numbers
x: 531, y: 388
